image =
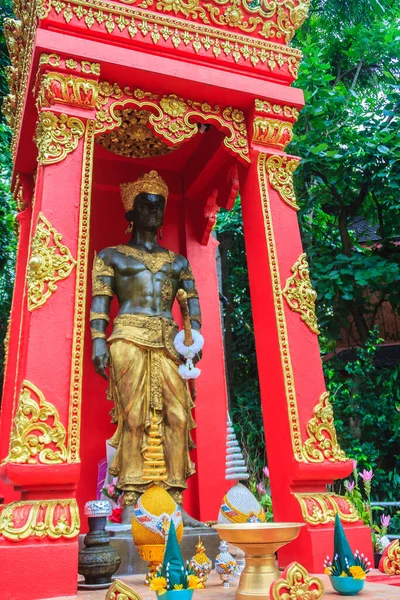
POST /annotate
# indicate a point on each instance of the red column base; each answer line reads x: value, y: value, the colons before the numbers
x: 314, y: 544
x: 39, y: 569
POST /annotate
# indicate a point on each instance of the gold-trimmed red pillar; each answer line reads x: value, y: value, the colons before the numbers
x: 303, y: 452
x: 42, y: 458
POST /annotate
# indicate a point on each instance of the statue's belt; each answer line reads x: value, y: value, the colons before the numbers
x: 149, y: 332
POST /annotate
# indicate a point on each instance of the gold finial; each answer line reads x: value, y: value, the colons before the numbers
x: 151, y: 183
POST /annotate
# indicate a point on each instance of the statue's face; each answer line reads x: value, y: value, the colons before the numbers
x: 148, y: 211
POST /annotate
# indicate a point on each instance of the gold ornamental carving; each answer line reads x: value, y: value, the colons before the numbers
x: 280, y: 171
x: 74, y: 417
x: 300, y: 295
x: 322, y: 443
x: 39, y: 519
x: 49, y: 263
x: 295, y: 583
x: 320, y: 509
x: 272, y: 132
x: 120, y: 591
x: 160, y: 28
x: 37, y: 436
x: 171, y: 118
x: 67, y: 89
x: 57, y: 136
x: 266, y: 107
x: 134, y: 138
x: 390, y: 561
x: 49, y: 59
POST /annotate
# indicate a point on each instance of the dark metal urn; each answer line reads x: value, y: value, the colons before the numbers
x: 98, y: 561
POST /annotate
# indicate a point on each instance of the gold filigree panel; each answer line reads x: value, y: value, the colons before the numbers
x: 322, y: 443
x: 133, y: 138
x: 57, y: 136
x: 320, y: 509
x: 173, y: 119
x: 280, y: 171
x: 300, y: 295
x: 37, y: 436
x: 39, y: 519
x: 49, y: 263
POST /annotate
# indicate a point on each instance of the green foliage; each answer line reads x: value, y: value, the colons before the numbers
x: 7, y: 206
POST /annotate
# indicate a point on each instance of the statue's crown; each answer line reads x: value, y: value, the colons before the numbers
x: 151, y: 183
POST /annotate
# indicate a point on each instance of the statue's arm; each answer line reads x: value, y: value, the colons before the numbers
x: 102, y: 293
x: 188, y: 284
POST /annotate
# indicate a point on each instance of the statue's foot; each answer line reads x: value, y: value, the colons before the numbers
x: 189, y: 521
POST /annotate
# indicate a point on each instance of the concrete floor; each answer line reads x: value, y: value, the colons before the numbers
x: 214, y: 589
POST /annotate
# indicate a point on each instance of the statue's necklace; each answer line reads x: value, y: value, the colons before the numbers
x: 153, y: 262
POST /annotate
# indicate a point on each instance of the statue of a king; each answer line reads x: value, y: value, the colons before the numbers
x: 143, y: 362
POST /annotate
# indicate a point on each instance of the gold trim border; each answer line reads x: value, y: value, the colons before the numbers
x: 294, y: 422
x: 80, y: 296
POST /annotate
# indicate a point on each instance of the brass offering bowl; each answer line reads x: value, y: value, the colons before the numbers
x: 259, y: 542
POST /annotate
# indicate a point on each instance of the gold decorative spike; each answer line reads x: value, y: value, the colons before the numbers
x: 272, y: 132
x: 320, y: 509
x: 39, y: 519
x: 50, y: 262
x: 57, y: 136
x: 154, y: 468
x: 37, y: 435
x: 322, y: 443
x: 295, y: 582
x: 280, y: 171
x: 300, y: 295
x: 120, y: 591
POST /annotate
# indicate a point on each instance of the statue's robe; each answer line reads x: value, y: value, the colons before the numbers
x: 144, y: 381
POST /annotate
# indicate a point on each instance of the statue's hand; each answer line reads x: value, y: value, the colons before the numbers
x: 100, y: 356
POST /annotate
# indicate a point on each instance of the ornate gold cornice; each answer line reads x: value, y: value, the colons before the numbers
x: 272, y: 132
x: 37, y: 436
x: 276, y: 110
x: 299, y: 294
x: 167, y: 31
x: 57, y: 136
x: 39, y: 519
x: 296, y: 583
x: 49, y: 263
x: 280, y: 171
x: 322, y: 443
x: 67, y: 89
x: 321, y: 508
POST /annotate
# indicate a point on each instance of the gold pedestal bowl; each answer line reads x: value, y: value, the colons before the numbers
x: 259, y: 542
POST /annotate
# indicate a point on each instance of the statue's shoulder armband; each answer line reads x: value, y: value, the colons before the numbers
x: 100, y: 269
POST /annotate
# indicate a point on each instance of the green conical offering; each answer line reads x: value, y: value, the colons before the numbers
x: 173, y: 566
x: 342, y: 550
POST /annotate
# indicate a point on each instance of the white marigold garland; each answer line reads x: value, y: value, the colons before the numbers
x: 188, y: 370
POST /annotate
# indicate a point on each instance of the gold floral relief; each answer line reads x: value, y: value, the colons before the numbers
x: 391, y: 558
x: 299, y: 294
x: 321, y: 508
x: 37, y: 436
x: 120, y: 591
x: 296, y: 583
x: 49, y: 263
x: 272, y: 109
x: 322, y: 443
x: 57, y: 136
x: 280, y: 171
x: 39, y: 519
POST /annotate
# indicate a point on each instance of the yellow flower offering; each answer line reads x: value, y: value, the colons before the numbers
x: 328, y: 571
x: 343, y: 574
x: 178, y: 587
x: 357, y: 572
x: 194, y: 583
x: 158, y: 584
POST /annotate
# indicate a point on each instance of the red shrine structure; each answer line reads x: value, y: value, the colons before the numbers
x: 100, y: 91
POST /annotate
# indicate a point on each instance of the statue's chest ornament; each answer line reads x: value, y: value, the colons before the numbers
x: 153, y: 262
